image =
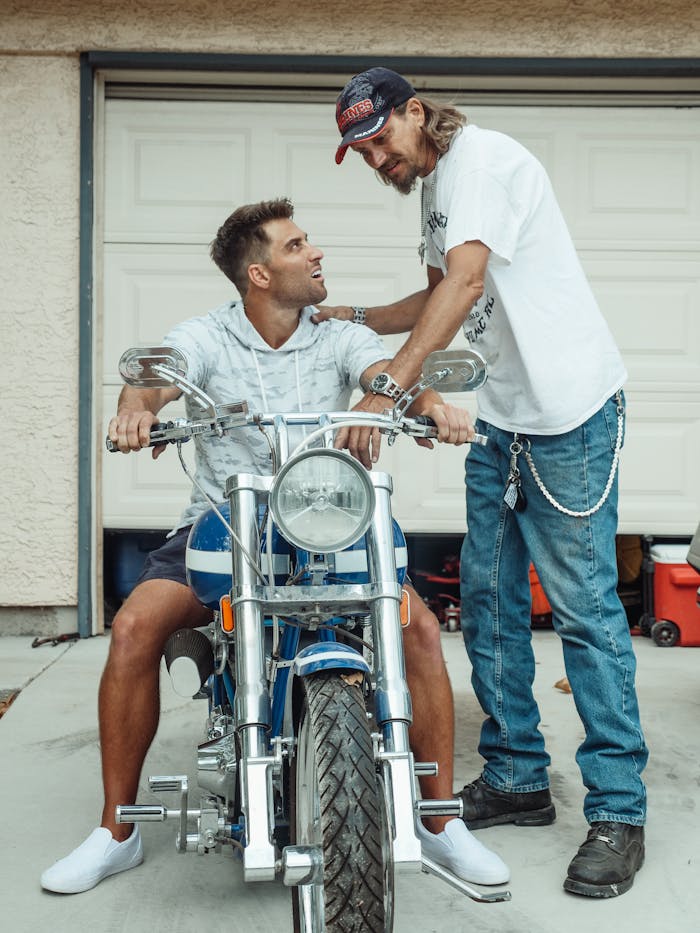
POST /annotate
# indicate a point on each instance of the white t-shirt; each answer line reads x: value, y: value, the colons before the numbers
x: 552, y: 361
x: 315, y: 370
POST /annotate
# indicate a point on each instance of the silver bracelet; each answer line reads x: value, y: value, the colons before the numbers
x: 358, y: 314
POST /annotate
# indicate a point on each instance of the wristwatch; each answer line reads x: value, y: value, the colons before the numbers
x: 384, y: 384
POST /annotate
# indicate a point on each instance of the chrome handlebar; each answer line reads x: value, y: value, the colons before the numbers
x: 236, y: 415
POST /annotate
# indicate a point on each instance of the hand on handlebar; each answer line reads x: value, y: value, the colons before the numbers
x: 131, y: 430
x: 363, y: 443
x: 454, y: 425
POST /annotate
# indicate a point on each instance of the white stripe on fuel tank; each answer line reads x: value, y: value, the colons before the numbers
x: 221, y: 561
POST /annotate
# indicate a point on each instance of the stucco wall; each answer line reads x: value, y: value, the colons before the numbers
x: 501, y: 27
x: 39, y: 154
x: 39, y: 116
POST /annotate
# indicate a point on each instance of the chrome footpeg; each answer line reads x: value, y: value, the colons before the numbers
x: 490, y: 897
x: 141, y: 813
x: 169, y: 784
x: 202, y: 841
x: 451, y: 807
x: 425, y: 768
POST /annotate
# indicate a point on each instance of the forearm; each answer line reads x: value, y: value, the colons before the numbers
x: 443, y: 315
x: 137, y: 411
x: 132, y: 399
x: 398, y: 317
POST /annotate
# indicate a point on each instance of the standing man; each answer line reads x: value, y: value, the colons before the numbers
x: 502, y: 266
x: 266, y: 349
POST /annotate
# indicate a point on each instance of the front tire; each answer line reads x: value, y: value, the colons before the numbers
x: 337, y: 805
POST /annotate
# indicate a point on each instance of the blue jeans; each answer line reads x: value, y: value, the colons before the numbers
x: 576, y: 563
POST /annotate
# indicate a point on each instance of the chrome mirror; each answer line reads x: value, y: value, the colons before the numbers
x: 159, y: 367
x: 458, y: 370
x: 140, y: 366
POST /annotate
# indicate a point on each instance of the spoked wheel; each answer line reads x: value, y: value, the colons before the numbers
x: 338, y: 806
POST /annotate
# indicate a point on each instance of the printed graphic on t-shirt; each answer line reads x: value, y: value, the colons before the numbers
x: 437, y: 221
x: 476, y: 324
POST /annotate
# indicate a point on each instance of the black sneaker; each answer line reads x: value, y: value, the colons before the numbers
x: 606, y: 863
x: 483, y: 805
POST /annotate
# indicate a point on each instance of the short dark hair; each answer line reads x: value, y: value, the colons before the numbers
x: 242, y: 240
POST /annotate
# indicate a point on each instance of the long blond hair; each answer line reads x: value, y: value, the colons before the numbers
x: 442, y: 122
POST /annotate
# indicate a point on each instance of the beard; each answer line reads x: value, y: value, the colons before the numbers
x: 403, y: 185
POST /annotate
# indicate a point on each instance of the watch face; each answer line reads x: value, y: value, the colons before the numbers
x: 380, y: 382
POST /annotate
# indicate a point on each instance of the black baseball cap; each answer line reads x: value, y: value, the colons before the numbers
x: 366, y: 103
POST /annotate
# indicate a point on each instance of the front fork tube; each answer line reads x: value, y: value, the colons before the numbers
x: 289, y: 644
x: 252, y: 714
x: 392, y: 698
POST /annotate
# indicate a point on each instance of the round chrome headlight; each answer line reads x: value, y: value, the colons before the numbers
x: 322, y: 500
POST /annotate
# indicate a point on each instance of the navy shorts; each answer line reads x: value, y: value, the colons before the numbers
x: 167, y: 562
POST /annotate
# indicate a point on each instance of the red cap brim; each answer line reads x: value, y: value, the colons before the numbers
x: 357, y: 135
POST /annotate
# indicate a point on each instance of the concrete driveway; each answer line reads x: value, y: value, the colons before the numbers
x: 51, y: 797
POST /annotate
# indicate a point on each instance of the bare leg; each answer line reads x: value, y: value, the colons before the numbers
x: 129, y: 698
x: 432, y: 732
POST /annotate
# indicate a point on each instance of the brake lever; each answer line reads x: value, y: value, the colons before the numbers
x: 181, y: 430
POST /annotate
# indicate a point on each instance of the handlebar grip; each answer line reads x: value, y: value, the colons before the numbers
x: 424, y: 419
x: 158, y: 426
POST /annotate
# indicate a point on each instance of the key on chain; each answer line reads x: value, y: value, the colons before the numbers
x: 514, y: 497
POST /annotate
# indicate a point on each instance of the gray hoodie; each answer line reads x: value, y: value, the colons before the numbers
x: 315, y: 370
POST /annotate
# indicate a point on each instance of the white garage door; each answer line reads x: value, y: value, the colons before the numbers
x: 627, y: 180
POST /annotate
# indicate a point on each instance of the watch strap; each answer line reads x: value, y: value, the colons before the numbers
x: 385, y: 384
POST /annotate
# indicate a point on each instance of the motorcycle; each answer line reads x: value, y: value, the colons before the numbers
x: 306, y: 769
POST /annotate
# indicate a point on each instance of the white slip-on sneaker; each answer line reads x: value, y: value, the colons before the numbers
x: 96, y: 858
x: 458, y: 850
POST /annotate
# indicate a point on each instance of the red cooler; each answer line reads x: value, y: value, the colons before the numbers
x: 676, y: 611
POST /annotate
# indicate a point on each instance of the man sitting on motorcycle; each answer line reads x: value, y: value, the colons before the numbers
x: 265, y: 349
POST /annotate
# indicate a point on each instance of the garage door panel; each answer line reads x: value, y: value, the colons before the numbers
x: 658, y: 475
x: 651, y: 304
x: 170, y: 174
x: 624, y: 177
x: 637, y: 189
x: 149, y: 289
